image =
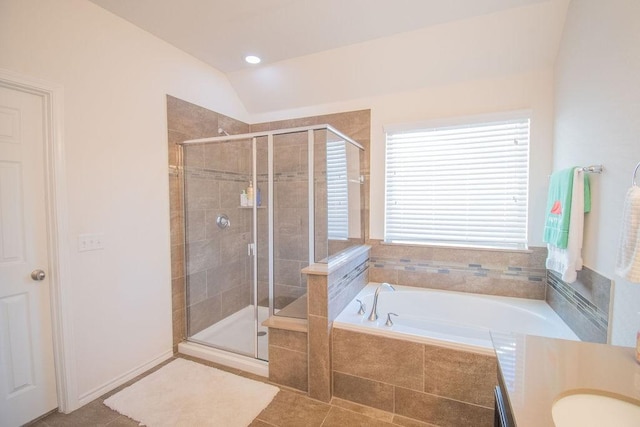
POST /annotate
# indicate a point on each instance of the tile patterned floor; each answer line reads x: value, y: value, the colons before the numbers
x: 288, y: 409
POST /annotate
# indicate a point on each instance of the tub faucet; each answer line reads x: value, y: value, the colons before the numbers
x: 373, y: 316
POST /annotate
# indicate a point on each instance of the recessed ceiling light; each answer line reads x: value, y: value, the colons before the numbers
x: 252, y: 59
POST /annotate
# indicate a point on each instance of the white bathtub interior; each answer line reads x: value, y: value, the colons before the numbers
x: 453, y: 319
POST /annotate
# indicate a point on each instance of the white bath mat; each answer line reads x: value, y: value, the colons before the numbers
x: 185, y: 393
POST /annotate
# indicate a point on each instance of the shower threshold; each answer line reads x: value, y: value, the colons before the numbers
x: 237, y: 334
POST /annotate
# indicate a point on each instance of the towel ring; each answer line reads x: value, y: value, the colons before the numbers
x: 635, y: 172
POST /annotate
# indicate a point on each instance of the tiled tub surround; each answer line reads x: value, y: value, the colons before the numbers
x: 584, y: 304
x: 428, y: 383
x: 483, y: 271
x: 436, y: 363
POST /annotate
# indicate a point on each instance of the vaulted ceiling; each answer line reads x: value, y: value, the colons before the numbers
x: 325, y: 51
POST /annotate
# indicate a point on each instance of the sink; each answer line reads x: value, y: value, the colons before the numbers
x: 594, y: 409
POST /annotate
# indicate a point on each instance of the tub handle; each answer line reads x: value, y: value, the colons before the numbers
x: 389, y: 322
x: 363, y: 307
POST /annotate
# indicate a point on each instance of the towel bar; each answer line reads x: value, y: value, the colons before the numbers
x: 593, y: 169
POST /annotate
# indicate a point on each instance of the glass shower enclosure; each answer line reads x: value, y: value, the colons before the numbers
x: 259, y: 208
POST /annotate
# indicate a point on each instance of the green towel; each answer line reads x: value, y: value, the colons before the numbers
x: 556, y: 229
x: 587, y: 194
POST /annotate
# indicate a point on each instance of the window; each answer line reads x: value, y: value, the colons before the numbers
x: 461, y: 185
x: 337, y: 191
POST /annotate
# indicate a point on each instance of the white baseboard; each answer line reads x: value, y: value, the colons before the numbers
x: 85, y: 398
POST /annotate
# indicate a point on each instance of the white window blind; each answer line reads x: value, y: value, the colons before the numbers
x: 337, y: 191
x: 461, y: 185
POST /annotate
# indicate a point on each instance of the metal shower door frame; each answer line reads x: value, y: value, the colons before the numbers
x: 270, y: 201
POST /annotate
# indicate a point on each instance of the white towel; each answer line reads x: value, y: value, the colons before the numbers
x: 628, y: 263
x: 567, y: 262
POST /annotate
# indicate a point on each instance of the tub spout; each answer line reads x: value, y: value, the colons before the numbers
x: 373, y: 316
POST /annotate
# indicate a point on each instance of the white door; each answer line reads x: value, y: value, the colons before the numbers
x: 27, y: 378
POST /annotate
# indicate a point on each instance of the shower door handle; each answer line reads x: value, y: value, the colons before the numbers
x: 251, y: 249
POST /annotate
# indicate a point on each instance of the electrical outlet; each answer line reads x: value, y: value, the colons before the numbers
x: 90, y: 242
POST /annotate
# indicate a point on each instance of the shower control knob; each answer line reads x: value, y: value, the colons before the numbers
x: 223, y: 221
x: 38, y: 275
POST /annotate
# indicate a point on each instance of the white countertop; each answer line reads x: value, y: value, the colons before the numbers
x: 537, y: 371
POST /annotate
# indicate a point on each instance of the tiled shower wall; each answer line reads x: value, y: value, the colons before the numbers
x: 355, y: 124
x: 218, y: 276
x: 291, y: 204
x: 291, y: 218
x: 217, y: 175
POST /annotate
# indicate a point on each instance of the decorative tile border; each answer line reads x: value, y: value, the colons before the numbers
x: 237, y: 176
x: 593, y: 314
x: 216, y: 174
x: 471, y: 269
x: 337, y: 287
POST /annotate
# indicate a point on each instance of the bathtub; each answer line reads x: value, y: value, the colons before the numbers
x: 455, y: 320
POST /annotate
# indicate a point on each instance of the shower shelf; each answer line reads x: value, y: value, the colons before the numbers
x: 251, y: 207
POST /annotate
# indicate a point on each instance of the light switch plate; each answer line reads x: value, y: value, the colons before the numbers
x: 90, y: 242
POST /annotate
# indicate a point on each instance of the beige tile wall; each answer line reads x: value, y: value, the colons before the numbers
x: 492, y: 272
x: 288, y: 358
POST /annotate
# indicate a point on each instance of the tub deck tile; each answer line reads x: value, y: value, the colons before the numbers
x: 363, y: 391
x: 387, y: 360
x: 441, y: 411
x: 460, y: 375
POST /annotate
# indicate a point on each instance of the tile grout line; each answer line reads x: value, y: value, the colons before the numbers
x: 326, y: 416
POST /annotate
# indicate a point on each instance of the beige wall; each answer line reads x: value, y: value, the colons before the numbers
x: 490, y: 46
x: 115, y: 79
x: 597, y: 109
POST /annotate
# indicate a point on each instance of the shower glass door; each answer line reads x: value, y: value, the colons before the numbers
x: 290, y: 223
x: 227, y: 295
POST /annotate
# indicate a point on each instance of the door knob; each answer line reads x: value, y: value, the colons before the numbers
x: 38, y: 275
